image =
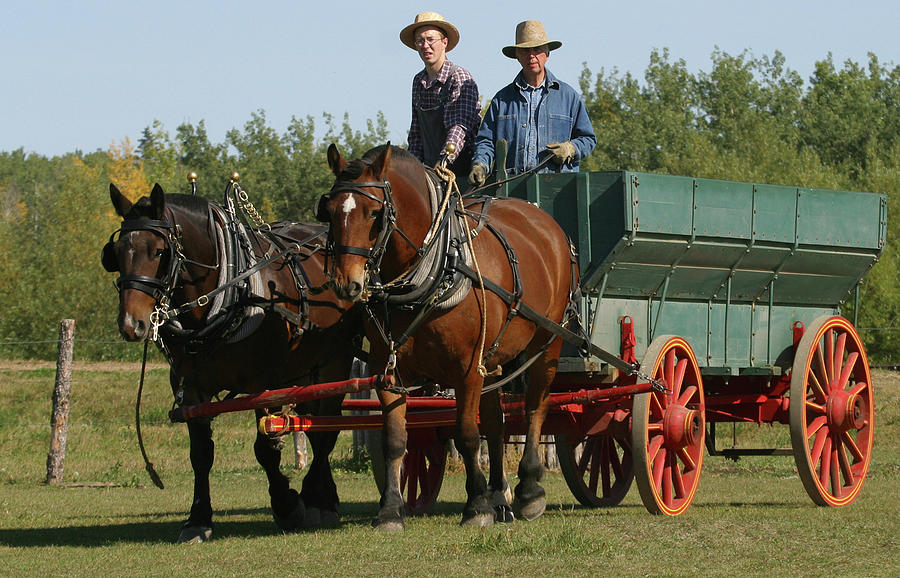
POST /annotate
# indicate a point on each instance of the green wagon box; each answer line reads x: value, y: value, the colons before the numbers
x: 730, y: 266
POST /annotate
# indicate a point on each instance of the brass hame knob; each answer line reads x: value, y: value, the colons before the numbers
x: 192, y: 177
x: 235, y: 177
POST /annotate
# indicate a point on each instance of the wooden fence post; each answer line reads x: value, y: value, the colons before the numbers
x: 59, y: 418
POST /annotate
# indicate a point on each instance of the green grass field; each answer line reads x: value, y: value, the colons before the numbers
x: 750, y: 517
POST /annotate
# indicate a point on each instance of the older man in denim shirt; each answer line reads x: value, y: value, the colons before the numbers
x: 537, y: 114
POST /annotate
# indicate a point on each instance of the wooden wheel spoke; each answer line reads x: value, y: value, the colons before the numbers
x: 815, y: 408
x: 605, y: 469
x: 678, y: 480
x: 816, y: 387
x: 654, y: 446
x: 678, y: 379
x: 820, y: 370
x: 596, y: 459
x: 846, y: 472
x: 834, y: 471
x: 844, y: 379
x: 689, y: 463
x: 669, y: 368
x: 657, y: 407
x: 818, y: 445
x: 829, y: 357
x: 659, y: 462
x: 667, y: 486
x: 838, y: 356
x: 614, y: 460
x: 816, y: 424
x: 688, y: 394
x: 825, y: 462
x: 850, y: 443
x: 586, y: 457
x: 858, y: 388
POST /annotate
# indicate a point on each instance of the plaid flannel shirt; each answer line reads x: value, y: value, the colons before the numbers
x: 462, y: 114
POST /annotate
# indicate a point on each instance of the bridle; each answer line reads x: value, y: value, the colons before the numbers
x: 159, y: 288
x: 387, y: 217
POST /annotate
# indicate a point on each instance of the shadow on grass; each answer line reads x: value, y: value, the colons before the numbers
x: 224, y: 525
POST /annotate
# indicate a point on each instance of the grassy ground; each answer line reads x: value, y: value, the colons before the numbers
x: 749, y: 517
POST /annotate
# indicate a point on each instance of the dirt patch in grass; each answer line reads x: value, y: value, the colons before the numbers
x: 121, y: 366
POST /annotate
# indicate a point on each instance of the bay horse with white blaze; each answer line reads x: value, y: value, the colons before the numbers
x: 404, y: 251
x: 178, y: 257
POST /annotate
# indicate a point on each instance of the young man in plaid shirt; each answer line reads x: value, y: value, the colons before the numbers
x: 444, y: 97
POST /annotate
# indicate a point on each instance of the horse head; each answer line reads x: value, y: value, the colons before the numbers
x: 141, y: 252
x: 148, y: 252
x: 372, y: 199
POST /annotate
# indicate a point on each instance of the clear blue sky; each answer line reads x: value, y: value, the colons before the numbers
x: 82, y: 75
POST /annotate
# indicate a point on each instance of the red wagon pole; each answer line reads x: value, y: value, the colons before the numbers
x: 275, y: 398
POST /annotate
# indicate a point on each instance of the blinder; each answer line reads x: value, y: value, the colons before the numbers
x: 153, y: 286
x: 321, y: 210
x: 108, y: 256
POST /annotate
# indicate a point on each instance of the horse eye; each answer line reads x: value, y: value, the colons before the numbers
x: 159, y: 253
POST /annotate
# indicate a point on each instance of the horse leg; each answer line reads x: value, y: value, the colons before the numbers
x: 478, y: 510
x: 499, y: 493
x: 198, y: 527
x: 287, y: 508
x: 319, y: 493
x: 391, y: 512
x: 530, y: 498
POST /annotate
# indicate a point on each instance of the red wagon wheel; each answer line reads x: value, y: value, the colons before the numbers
x: 831, y: 411
x: 598, y: 469
x: 668, y: 429
x: 422, y: 472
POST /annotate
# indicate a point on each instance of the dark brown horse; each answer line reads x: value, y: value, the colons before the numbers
x: 253, y: 334
x: 380, y: 212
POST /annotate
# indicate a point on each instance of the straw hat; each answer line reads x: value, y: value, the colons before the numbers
x: 407, y: 35
x: 530, y: 34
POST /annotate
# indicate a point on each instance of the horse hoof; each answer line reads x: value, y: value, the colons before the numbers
x: 389, y: 526
x: 330, y: 519
x: 532, y: 510
x: 195, y: 535
x: 313, y: 518
x: 504, y: 514
x: 478, y: 521
x: 292, y: 521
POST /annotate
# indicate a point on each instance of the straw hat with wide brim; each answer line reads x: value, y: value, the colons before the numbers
x: 407, y: 35
x: 530, y: 34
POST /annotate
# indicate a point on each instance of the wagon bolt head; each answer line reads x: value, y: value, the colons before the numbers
x: 192, y: 177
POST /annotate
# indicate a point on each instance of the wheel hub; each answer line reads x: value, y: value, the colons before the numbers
x: 682, y: 427
x: 845, y: 411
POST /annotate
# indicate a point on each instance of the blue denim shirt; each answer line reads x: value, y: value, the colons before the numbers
x: 561, y: 116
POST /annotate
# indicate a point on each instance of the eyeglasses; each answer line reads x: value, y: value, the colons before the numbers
x: 421, y: 42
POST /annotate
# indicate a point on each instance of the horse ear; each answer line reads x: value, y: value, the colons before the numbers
x: 335, y: 161
x: 158, y: 201
x: 383, y: 162
x: 121, y: 204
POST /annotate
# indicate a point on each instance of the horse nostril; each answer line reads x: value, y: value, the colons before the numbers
x: 354, y: 289
x: 140, y: 330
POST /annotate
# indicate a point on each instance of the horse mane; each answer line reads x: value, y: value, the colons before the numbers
x: 355, y: 167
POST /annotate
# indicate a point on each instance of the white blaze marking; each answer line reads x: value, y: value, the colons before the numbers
x: 348, y: 206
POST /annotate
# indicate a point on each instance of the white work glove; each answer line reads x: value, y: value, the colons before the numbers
x: 563, y: 152
x: 478, y: 174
